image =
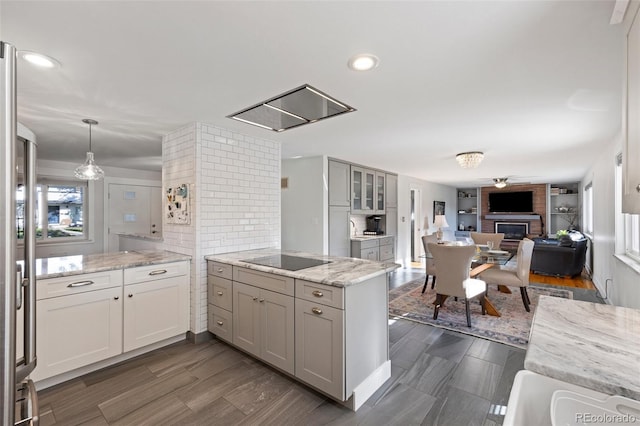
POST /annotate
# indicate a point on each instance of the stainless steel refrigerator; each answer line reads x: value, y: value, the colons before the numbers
x: 17, y: 278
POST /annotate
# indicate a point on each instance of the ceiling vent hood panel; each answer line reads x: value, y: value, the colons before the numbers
x: 302, y: 105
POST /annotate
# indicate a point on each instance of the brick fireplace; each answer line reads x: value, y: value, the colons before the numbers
x: 533, y: 221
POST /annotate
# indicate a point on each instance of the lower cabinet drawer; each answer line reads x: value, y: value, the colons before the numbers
x: 220, y: 323
x: 219, y: 292
x: 320, y: 293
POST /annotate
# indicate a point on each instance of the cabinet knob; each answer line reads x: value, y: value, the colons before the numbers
x: 638, y: 188
x: 317, y: 293
x: 220, y: 323
x: 116, y: 298
x: 220, y: 270
x: 316, y: 311
x: 261, y: 300
x: 255, y: 298
x: 130, y: 295
x: 219, y: 293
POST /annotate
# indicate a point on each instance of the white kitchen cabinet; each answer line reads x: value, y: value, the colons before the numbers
x: 363, y: 190
x: 156, y: 303
x: 263, y: 324
x: 339, y: 231
x: 380, y: 192
x: 631, y: 124
x: 76, y: 330
x: 320, y: 347
x: 339, y: 184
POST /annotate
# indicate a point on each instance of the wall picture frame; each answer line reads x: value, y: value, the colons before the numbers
x: 438, y: 209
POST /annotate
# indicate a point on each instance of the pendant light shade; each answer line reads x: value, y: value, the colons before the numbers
x: 469, y: 160
x: 89, y: 170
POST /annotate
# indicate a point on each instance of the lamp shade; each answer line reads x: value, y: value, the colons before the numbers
x: 440, y: 221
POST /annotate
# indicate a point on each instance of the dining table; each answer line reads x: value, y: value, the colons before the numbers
x: 481, y: 261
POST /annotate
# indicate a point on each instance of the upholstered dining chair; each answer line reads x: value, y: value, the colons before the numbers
x: 516, y: 277
x: 454, y: 264
x: 484, y: 237
x: 430, y: 262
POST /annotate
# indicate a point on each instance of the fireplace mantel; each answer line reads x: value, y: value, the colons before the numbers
x: 512, y: 217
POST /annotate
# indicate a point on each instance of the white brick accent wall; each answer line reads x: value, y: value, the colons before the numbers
x: 235, y: 199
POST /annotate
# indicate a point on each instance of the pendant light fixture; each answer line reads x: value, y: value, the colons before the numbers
x: 89, y: 170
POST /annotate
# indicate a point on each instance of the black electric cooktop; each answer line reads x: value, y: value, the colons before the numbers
x: 283, y: 261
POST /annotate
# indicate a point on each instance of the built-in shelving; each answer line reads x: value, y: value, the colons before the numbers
x: 564, y: 207
x: 467, y: 210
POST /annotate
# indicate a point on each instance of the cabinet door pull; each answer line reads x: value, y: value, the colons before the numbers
x: 255, y: 298
x: 261, y: 300
x: 219, y: 293
x: 317, y: 293
x: 220, y: 270
x: 158, y: 272
x: 220, y: 323
x: 116, y: 297
x: 638, y: 188
x: 130, y: 295
x: 316, y: 311
x: 80, y: 283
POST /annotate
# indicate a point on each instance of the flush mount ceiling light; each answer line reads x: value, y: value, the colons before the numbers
x: 363, y: 62
x: 302, y: 105
x: 89, y: 170
x: 500, y: 182
x: 38, y: 59
x: 469, y: 160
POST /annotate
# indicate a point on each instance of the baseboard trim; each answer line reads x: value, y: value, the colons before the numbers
x: 197, y: 338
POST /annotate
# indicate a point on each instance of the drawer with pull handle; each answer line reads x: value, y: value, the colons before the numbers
x: 155, y: 272
x: 320, y: 293
x: 219, y: 292
x: 220, y: 323
x: 73, y: 284
x: 219, y: 269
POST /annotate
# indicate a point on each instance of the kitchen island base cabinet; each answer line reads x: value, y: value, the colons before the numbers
x: 263, y: 325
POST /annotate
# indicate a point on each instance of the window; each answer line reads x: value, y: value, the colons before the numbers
x: 587, y: 209
x: 60, y: 208
x: 629, y: 223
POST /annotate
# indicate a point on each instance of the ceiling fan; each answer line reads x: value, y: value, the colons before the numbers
x: 503, y: 182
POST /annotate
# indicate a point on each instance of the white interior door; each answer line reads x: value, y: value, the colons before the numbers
x: 130, y: 208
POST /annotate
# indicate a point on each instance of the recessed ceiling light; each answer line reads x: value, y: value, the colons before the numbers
x: 363, y: 62
x: 38, y: 59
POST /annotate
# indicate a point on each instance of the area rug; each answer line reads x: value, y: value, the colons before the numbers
x: 511, y: 328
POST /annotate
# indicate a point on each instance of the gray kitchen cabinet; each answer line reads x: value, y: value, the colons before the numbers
x: 362, y: 190
x: 220, y: 300
x: 79, y: 321
x: 263, y: 320
x: 380, y: 192
x: 392, y: 190
x: 339, y: 184
x: 374, y: 248
x: 631, y: 125
x: 391, y: 221
x: 320, y: 346
x: 156, y: 303
x: 339, y: 231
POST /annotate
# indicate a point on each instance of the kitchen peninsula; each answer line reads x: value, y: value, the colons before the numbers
x: 320, y: 319
x: 98, y: 309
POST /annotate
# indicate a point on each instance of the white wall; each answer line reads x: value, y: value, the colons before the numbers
x: 429, y: 192
x: 304, y: 205
x: 95, y: 216
x: 235, y: 205
x: 610, y: 274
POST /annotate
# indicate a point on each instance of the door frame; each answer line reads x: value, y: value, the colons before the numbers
x: 415, y: 224
x: 119, y: 181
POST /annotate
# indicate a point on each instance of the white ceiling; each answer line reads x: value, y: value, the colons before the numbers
x: 536, y: 85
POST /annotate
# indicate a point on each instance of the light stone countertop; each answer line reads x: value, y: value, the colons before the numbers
x: 140, y: 236
x: 592, y: 345
x: 341, y: 272
x: 361, y: 237
x: 53, y: 267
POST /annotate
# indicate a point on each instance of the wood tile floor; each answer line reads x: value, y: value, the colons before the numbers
x: 438, y: 378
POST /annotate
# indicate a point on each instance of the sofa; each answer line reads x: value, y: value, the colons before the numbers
x: 563, y: 257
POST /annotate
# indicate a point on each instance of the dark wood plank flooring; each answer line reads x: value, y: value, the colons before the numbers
x: 438, y: 378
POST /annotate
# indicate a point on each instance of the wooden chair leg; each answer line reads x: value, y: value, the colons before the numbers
x: 426, y: 279
x: 466, y: 305
x: 433, y: 282
x: 436, y: 307
x: 525, y: 298
x: 483, y: 297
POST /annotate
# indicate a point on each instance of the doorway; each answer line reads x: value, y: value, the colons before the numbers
x: 416, y: 226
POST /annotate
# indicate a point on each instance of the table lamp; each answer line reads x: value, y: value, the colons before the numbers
x: 440, y: 221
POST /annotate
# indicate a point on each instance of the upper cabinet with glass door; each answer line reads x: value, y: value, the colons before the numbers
x: 380, y: 193
x: 364, y: 198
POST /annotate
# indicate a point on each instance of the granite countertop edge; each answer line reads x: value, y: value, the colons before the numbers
x: 101, y: 262
x: 341, y: 272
